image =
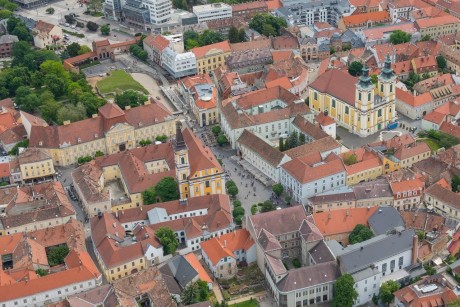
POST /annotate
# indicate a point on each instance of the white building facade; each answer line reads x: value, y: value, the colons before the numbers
x: 178, y: 64
x: 214, y: 11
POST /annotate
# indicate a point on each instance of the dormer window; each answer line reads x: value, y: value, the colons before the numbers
x: 78, y: 140
x: 95, y: 135
x: 40, y: 143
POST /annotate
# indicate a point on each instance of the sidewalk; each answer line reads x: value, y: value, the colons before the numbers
x: 217, y: 292
x: 256, y: 296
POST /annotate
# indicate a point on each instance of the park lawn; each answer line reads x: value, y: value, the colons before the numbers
x: 118, y: 82
x: 434, y: 146
x: 249, y: 303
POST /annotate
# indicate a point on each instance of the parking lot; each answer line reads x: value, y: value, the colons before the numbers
x: 102, y: 69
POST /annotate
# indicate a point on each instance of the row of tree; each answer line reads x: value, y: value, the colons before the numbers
x: 267, y: 24
x: 295, y: 139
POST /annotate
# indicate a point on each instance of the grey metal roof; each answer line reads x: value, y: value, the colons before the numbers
x: 385, y: 219
x: 179, y: 268
x: 372, y: 251
x: 321, y: 253
x: 309, y: 276
x: 361, y: 275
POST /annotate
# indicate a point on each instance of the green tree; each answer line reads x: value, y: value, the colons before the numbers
x: 71, y: 112
x: 180, y: 4
x: 49, y: 107
x: 149, y: 196
x: 267, y: 206
x: 130, y: 98
x: 99, y: 154
x: 5, y: 14
x: 55, y: 85
x: 455, y: 183
x: 344, y: 292
x: 95, y: 6
x: 91, y: 102
x: 167, y: 189
x: 441, y: 61
x: 232, y: 190
x: 374, y: 79
x: 216, y: 130
x: 73, y: 49
x: 234, y: 35
x: 50, y: 11
x: 277, y: 189
x: 41, y: 272
x: 350, y: 159
x: 242, y: 35
x: 267, y: 24
x: 425, y: 38
x: 302, y: 139
x: 70, y: 19
x: 161, y: 138
x: 355, y: 68
x: 92, y: 26
x: 430, y: 270
x: 359, y: 234
x: 399, y: 37
x: 386, y: 291
x: 229, y: 184
x: 167, y: 239
x: 105, y: 29
x: 144, y: 143
x: 281, y: 144
x: 208, y: 37
x: 57, y: 254
x: 21, y: 144
x: 222, y: 140
x: 292, y: 141
x: 84, y: 49
x: 455, y: 303
x: 195, y: 293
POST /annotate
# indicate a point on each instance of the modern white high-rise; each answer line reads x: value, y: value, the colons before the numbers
x: 160, y: 10
x: 213, y: 11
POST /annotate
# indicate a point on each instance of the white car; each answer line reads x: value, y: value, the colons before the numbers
x: 67, y: 25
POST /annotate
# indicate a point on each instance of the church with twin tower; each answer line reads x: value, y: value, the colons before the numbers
x: 357, y: 104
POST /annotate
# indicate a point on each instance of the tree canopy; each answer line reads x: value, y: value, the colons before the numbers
x: 277, y: 189
x: 386, y: 291
x: 167, y: 239
x: 193, y: 39
x: 399, y: 37
x: 344, y: 292
x: 167, y: 189
x: 57, y: 254
x: 441, y: 61
x: 130, y: 98
x: 267, y: 24
x: 355, y: 68
x: 359, y: 234
x: 195, y: 293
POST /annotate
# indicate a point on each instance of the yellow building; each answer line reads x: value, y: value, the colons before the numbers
x: 35, y: 164
x: 438, y: 26
x: 116, y: 182
x: 198, y: 171
x: 211, y: 56
x: 118, y: 257
x: 353, y: 103
x: 365, y: 165
x: 111, y: 130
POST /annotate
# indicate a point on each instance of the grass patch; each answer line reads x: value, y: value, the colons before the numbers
x: 434, y: 146
x: 250, y: 303
x: 118, y: 82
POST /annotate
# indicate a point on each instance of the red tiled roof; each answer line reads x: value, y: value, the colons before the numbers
x: 342, y: 220
x: 435, y: 117
x: 435, y: 21
x: 159, y: 42
x: 327, y: 82
x: 359, y: 19
x: 407, y: 185
x: 227, y: 244
x: 451, y: 129
x: 195, y: 263
x: 413, y: 101
x: 201, y: 52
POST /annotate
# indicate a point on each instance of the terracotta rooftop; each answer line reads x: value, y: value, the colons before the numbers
x: 342, y: 220
x: 451, y: 129
x: 365, y: 160
x: 435, y: 117
x: 326, y: 84
x: 444, y: 195
x: 158, y: 42
x: 308, y: 128
x: 360, y: 19
x: 226, y: 245
x: 43, y: 26
x: 407, y: 185
x: 414, y: 101
x: 435, y: 21
x: 202, y: 52
x: 95, y: 128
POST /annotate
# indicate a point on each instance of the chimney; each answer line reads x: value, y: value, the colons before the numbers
x: 225, y: 243
x: 414, y: 249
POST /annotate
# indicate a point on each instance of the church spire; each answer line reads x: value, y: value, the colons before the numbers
x: 387, y: 72
x: 364, y: 80
x: 179, y: 143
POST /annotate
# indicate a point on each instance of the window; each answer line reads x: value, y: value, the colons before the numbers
x: 381, y: 87
x: 315, y: 95
x: 369, y: 96
x: 359, y: 96
x: 346, y: 108
x: 379, y: 112
x: 333, y: 103
x: 207, y: 183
